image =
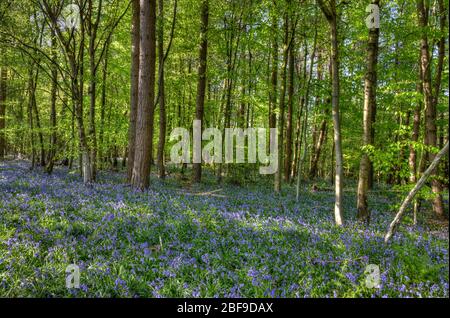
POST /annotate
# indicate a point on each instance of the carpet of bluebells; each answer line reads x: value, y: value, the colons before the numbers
x: 217, y: 241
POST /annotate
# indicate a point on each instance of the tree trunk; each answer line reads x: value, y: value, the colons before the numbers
x: 302, y: 157
x: 161, y: 94
x: 135, y: 35
x: 37, y: 121
x: 274, y: 74
x: 101, y: 145
x: 288, y: 157
x: 331, y: 15
x: 370, y: 86
x: 201, y: 80
x: 318, y: 146
x: 31, y: 96
x: 3, y: 79
x: 85, y: 165
x: 39, y: 127
x: 54, y: 75
x: 92, y: 138
x: 429, y: 102
x: 412, y: 160
x: 72, y: 136
x: 231, y: 51
x: 144, y: 121
x: 298, y: 131
x: 280, y: 130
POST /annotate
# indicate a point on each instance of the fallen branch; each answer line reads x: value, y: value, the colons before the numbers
x: 209, y: 193
x: 413, y: 192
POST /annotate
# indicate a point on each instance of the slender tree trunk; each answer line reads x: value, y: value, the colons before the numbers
x: 161, y: 85
x: 72, y: 136
x: 299, y: 112
x: 280, y: 130
x: 31, y: 96
x: 232, y: 37
x: 370, y: 86
x: 144, y: 123
x: 274, y: 74
x: 250, y: 88
x: 331, y: 15
x: 3, y: 81
x: 288, y: 157
x: 436, y: 184
x: 201, y: 79
x: 101, y: 145
x: 302, y: 157
x: 412, y: 160
x: 324, y: 126
x: 135, y: 35
x: 77, y: 67
x: 162, y: 95
x: 318, y: 146
x: 37, y: 121
x: 92, y: 29
x: 39, y: 128
x: 429, y: 103
x: 85, y: 157
x: 54, y: 75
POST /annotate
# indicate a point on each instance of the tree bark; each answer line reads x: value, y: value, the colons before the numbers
x: 298, y: 128
x: 302, y: 157
x: 135, y: 36
x: 370, y: 86
x: 92, y: 29
x: 318, y: 146
x: 31, y: 97
x: 201, y: 79
x: 331, y: 15
x: 412, y: 160
x: 232, y: 47
x: 288, y: 156
x: 54, y: 90
x: 144, y: 121
x: 280, y: 128
x: 161, y: 92
x: 38, y: 126
x: 3, y: 81
x: 429, y: 102
x: 274, y: 73
x: 101, y: 155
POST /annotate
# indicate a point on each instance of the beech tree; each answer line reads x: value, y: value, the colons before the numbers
x: 144, y: 120
x: 430, y: 101
x: 201, y: 86
x: 134, y: 87
x: 370, y: 86
x: 331, y: 15
x: 3, y: 81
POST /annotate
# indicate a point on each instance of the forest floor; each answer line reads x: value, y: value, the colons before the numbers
x: 217, y: 240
